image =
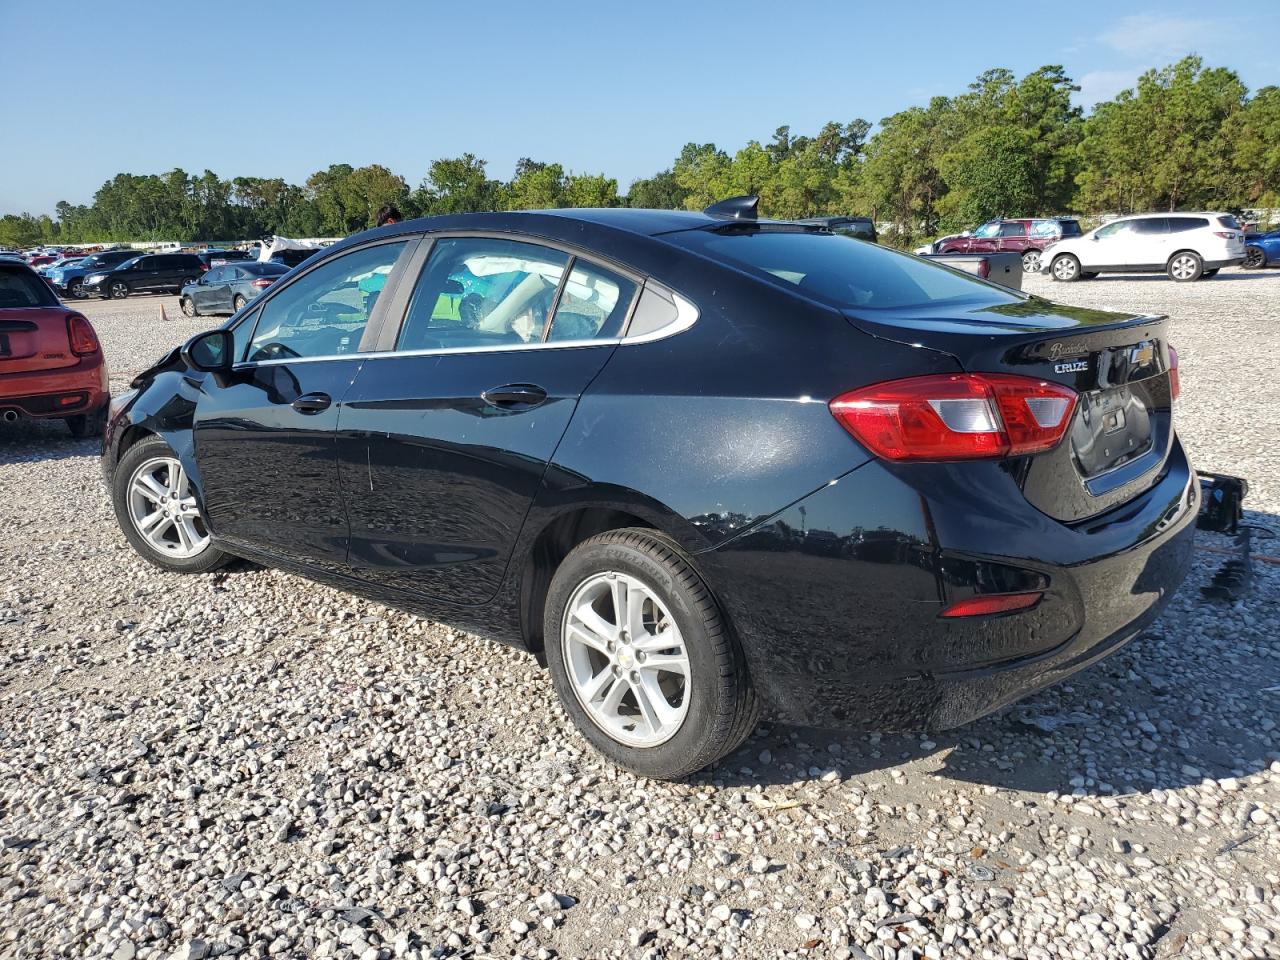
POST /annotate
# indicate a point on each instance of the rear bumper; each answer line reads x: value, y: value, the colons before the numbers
x: 837, y: 608
x: 1229, y: 262
x: 56, y: 393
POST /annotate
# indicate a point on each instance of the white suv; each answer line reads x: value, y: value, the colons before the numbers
x: 1187, y: 246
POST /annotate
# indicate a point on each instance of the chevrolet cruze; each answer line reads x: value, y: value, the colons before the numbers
x: 705, y: 467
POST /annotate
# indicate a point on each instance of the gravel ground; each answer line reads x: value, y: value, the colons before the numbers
x: 249, y: 764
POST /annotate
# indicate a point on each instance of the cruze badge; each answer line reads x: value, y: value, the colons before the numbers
x: 1075, y: 366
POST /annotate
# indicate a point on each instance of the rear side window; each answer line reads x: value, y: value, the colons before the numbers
x: 481, y: 292
x: 1229, y: 222
x: 593, y: 304
x: 1183, y: 224
x: 22, y: 288
x: 849, y: 275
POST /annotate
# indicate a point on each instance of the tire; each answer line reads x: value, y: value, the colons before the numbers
x: 117, y: 290
x: 86, y: 425
x: 75, y: 290
x: 709, y: 703
x: 1255, y: 258
x: 1209, y: 273
x: 1065, y: 267
x: 237, y: 303
x: 1185, y: 266
x: 188, y: 307
x: 1031, y: 261
x: 151, y: 456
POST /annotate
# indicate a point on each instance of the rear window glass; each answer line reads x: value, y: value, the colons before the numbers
x: 1229, y: 222
x: 22, y: 288
x: 846, y: 274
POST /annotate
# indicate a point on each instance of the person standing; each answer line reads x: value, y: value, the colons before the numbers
x: 388, y: 214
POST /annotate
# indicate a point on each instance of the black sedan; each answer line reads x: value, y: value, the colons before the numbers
x: 227, y: 288
x: 705, y: 467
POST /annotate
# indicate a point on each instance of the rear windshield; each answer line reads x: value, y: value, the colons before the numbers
x: 844, y: 273
x: 22, y: 288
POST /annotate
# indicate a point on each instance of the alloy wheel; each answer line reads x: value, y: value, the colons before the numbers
x: 1031, y: 261
x: 1064, y: 268
x: 163, y: 509
x: 1254, y: 258
x: 626, y: 659
x: 119, y: 290
x: 77, y: 290
x: 1183, y: 267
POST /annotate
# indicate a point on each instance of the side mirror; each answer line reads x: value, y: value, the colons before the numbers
x: 967, y: 233
x: 210, y: 352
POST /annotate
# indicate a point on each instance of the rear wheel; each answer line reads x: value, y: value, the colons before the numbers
x: 1185, y: 266
x: 1255, y: 258
x: 158, y: 513
x: 188, y: 307
x: 1030, y: 261
x: 117, y: 290
x: 1065, y: 267
x: 237, y: 304
x: 641, y: 658
x: 86, y: 425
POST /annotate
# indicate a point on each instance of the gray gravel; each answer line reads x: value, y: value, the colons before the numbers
x: 249, y: 764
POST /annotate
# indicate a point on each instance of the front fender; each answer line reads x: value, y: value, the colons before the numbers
x: 164, y: 406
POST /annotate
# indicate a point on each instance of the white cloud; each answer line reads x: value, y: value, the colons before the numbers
x: 1099, y: 85
x: 1161, y: 36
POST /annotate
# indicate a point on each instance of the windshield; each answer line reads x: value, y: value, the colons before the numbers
x: 842, y: 272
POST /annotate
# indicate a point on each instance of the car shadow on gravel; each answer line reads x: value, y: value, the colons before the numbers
x: 1164, y: 278
x: 35, y: 441
x: 1195, y: 696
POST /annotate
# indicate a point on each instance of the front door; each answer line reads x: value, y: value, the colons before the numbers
x: 444, y: 442
x: 265, y: 439
x: 203, y: 292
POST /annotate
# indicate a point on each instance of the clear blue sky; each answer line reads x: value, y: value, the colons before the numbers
x: 281, y: 88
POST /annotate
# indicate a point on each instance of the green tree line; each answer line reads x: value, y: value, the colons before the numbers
x: 1185, y: 136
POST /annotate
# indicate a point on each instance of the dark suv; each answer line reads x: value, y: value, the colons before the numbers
x: 1026, y: 237
x: 864, y: 228
x: 152, y: 273
x: 69, y: 281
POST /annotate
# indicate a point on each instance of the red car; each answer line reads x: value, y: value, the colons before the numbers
x: 51, y: 363
x: 1026, y: 237
x: 40, y: 259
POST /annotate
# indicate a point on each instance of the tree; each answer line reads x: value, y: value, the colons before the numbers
x: 536, y: 186
x: 458, y: 185
x: 1254, y: 137
x: 662, y: 191
x: 591, y: 190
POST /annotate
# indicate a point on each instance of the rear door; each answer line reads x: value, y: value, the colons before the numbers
x: 1150, y: 243
x: 445, y: 438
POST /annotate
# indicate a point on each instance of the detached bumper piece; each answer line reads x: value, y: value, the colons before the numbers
x: 1221, y: 510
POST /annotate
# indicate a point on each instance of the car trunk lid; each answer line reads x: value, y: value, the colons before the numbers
x: 34, y: 338
x: 1118, y: 364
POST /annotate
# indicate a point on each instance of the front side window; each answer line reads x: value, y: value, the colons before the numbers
x: 325, y: 312
x: 987, y: 231
x: 1114, y: 230
x: 480, y: 292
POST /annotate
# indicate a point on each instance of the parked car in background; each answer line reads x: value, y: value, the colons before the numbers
x: 1025, y: 237
x: 292, y: 258
x: 863, y: 228
x: 216, y: 258
x: 61, y: 263
x: 68, y: 281
x: 40, y: 260
x: 150, y: 273
x: 1002, y: 268
x: 706, y: 467
x: 1262, y: 250
x: 51, y: 364
x: 1186, y: 246
x: 227, y: 288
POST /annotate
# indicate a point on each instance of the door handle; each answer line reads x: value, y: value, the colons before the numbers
x: 312, y: 402
x: 515, y: 395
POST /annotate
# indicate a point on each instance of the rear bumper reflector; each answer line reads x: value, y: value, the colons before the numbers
x: 985, y: 605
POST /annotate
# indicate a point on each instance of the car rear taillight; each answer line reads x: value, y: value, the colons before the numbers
x: 81, y: 336
x: 1175, y: 386
x: 1224, y: 234
x: 262, y: 283
x: 963, y: 416
x: 985, y: 605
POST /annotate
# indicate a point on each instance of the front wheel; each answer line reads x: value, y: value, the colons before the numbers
x: 118, y: 290
x: 1065, y: 267
x: 237, y: 304
x: 158, y: 512
x: 188, y: 307
x: 75, y: 290
x: 642, y: 659
x: 1031, y: 261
